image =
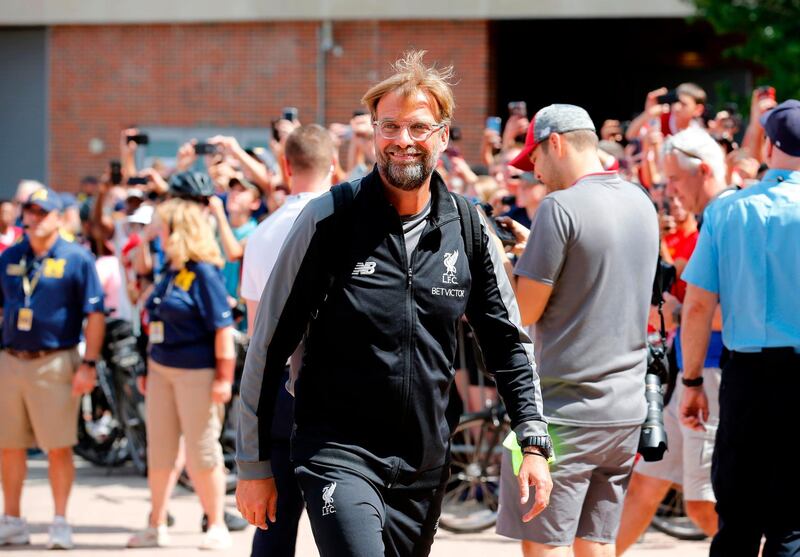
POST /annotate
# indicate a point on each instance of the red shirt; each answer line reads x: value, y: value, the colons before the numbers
x: 680, y: 245
x: 10, y: 237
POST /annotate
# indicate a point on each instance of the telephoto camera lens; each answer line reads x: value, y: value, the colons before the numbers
x: 653, y: 438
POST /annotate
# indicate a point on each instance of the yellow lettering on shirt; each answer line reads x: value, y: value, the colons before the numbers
x: 184, y: 279
x: 54, y: 268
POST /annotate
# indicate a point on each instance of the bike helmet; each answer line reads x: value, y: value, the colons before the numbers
x: 191, y: 185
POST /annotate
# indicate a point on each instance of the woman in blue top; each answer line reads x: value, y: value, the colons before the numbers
x: 190, y: 370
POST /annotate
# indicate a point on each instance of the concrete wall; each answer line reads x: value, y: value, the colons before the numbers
x: 54, y: 12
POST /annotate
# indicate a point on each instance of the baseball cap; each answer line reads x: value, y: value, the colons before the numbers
x: 245, y: 183
x: 46, y: 199
x: 556, y: 118
x: 782, y: 126
x: 142, y: 215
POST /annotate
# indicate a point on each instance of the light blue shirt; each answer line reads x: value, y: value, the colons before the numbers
x: 748, y: 253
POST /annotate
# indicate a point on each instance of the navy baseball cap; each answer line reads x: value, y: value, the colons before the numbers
x: 556, y: 118
x: 782, y: 126
x: 46, y: 199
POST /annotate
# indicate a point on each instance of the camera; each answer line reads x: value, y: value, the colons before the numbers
x: 670, y: 98
x: 137, y: 181
x: 653, y: 437
x: 518, y: 108
x: 205, y: 149
x: 290, y: 113
x: 140, y: 139
x: 115, y: 172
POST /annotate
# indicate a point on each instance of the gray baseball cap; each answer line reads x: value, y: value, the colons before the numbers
x: 556, y: 118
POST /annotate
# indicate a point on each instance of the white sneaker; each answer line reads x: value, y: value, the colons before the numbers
x: 14, y: 531
x: 60, y: 534
x: 150, y: 537
x: 217, y: 537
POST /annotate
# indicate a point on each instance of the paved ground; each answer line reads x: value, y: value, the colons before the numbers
x: 107, y: 507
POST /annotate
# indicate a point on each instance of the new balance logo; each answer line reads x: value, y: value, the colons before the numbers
x: 327, y: 498
x: 366, y: 268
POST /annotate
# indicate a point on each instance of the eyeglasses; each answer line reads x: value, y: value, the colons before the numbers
x: 418, y: 131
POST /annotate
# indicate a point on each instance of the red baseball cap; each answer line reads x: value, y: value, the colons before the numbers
x: 556, y: 118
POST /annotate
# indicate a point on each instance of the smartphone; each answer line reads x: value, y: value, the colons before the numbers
x: 140, y: 139
x: 507, y: 237
x: 766, y: 92
x: 137, y: 181
x: 116, y: 172
x: 205, y: 149
x: 290, y: 113
x: 518, y: 108
x: 493, y: 123
x: 669, y: 98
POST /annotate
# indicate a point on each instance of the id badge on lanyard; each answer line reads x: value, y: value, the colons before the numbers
x: 156, y: 328
x: 25, y: 315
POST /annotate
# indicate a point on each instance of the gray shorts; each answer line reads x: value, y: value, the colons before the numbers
x: 590, y: 476
x: 688, y: 458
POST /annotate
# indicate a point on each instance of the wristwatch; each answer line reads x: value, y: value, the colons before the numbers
x: 541, y: 442
x: 696, y: 382
x: 90, y: 363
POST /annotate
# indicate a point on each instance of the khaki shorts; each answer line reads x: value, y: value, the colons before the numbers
x: 688, y: 459
x: 36, y: 403
x: 591, y: 473
x: 178, y: 402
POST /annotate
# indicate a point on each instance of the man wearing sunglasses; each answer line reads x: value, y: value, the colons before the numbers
x: 378, y: 287
x: 47, y: 287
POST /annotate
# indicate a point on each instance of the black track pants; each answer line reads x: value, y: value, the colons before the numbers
x: 351, y: 516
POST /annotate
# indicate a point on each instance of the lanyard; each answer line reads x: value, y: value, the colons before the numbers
x: 30, y: 284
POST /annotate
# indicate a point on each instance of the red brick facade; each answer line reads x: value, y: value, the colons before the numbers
x: 105, y: 78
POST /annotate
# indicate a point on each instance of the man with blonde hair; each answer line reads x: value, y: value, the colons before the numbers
x: 376, y: 275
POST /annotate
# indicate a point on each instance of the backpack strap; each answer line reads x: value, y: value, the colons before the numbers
x: 470, y: 228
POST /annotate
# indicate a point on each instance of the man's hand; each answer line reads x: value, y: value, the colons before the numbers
x: 651, y: 105
x: 221, y: 391
x: 186, y: 156
x: 83, y: 381
x: 694, y: 408
x: 257, y: 500
x: 534, y: 472
x: 519, y: 231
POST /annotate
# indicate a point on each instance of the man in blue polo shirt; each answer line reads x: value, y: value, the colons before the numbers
x: 748, y: 258
x: 47, y: 287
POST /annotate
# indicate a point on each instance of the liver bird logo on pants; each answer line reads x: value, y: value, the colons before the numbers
x: 327, y: 498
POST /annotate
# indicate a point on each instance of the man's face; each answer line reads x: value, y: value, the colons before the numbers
x: 38, y: 222
x: 683, y: 184
x: 404, y: 162
x: 546, y: 168
x: 240, y: 199
x: 8, y: 213
x: 685, y: 109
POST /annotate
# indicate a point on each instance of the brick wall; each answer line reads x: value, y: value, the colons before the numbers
x: 105, y: 78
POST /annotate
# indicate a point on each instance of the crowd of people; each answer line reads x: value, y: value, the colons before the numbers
x: 354, y: 301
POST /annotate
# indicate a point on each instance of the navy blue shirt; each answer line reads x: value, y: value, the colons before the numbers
x: 192, y: 304
x: 67, y: 290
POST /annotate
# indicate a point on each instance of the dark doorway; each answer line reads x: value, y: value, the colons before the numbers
x: 23, y: 115
x: 608, y: 66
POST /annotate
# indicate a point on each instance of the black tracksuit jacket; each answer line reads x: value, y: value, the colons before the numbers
x: 379, y: 329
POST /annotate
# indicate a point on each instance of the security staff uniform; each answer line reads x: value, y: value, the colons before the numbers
x: 748, y: 253
x: 45, y: 300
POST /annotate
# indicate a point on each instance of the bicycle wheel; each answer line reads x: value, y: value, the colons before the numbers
x: 472, y: 494
x: 671, y: 519
x: 101, y: 439
x: 131, y: 411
